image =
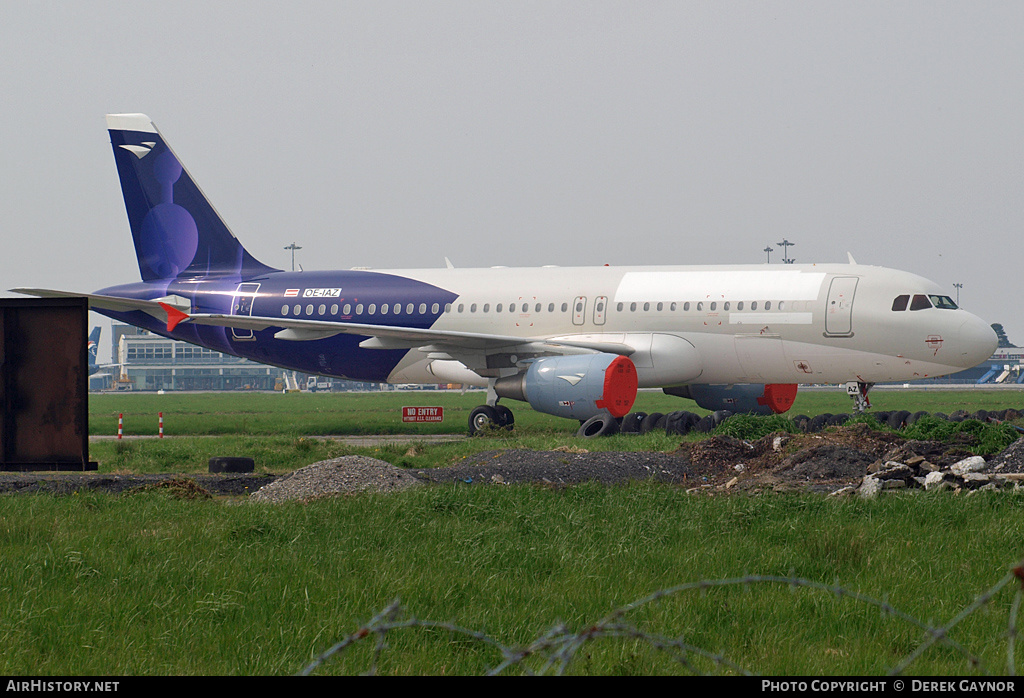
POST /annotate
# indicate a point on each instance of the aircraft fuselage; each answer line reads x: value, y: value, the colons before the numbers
x: 714, y: 324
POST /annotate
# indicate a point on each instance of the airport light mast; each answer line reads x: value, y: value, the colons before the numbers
x: 293, y: 247
x: 785, y: 245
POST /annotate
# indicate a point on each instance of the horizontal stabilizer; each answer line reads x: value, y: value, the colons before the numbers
x: 173, y: 309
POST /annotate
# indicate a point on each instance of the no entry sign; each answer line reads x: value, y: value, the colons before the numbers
x: 422, y: 414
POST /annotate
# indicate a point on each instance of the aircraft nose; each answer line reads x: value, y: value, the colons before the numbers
x: 977, y: 342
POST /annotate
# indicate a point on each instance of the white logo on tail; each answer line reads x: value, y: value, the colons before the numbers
x: 140, y: 151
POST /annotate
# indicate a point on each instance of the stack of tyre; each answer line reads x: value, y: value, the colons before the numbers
x: 682, y: 422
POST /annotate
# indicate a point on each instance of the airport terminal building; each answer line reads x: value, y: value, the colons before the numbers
x: 151, y: 362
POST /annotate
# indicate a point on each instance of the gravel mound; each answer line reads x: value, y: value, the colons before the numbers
x: 337, y: 476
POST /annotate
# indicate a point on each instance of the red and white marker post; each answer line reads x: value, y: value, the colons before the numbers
x: 120, y: 425
x: 161, y: 425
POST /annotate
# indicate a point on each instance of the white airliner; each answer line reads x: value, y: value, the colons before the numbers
x: 573, y: 342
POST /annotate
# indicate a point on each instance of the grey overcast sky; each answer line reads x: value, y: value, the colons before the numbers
x: 393, y: 134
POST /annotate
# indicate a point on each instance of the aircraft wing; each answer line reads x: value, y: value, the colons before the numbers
x: 390, y: 337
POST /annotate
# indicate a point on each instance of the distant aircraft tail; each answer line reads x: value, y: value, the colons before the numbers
x: 94, y: 344
x: 177, y: 232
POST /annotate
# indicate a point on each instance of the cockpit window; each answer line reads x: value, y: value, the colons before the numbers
x: 920, y: 302
x: 944, y: 302
x: 900, y: 302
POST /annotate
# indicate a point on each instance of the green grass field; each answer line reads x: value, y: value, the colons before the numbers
x: 275, y: 429
x: 303, y: 414
x: 147, y: 584
x: 144, y: 584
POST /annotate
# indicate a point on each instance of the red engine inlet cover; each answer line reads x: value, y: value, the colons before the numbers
x: 778, y: 396
x: 620, y: 384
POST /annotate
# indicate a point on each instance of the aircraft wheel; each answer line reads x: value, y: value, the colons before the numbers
x: 599, y: 425
x: 482, y: 417
x: 506, y: 420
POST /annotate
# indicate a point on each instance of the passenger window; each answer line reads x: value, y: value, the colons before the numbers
x: 647, y: 306
x: 686, y: 306
x: 920, y: 302
x: 487, y: 307
x: 753, y: 305
x: 334, y: 309
x: 359, y: 309
x: 284, y: 309
x: 700, y: 305
x: 739, y: 305
x: 767, y: 305
x: 497, y: 308
x: 714, y: 305
x: 619, y: 307
x: 551, y: 307
x: 297, y: 309
x: 434, y: 308
x: 309, y: 309
x: 660, y: 306
x: 782, y: 305
x: 472, y: 308
x: 900, y: 303
x: 672, y: 307
x: 632, y: 307
x: 462, y: 307
x: 565, y: 306
x: 347, y: 310
x: 537, y: 308
x: 725, y: 306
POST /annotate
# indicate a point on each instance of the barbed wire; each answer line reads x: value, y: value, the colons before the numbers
x: 559, y: 645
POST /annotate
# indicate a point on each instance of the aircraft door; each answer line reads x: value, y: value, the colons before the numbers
x: 600, y: 309
x: 839, y: 307
x: 579, y: 310
x: 242, y: 304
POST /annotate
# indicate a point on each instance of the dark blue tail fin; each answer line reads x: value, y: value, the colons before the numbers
x: 177, y: 232
x: 94, y: 344
x: 92, y: 348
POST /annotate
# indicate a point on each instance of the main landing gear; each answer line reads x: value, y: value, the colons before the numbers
x: 490, y: 416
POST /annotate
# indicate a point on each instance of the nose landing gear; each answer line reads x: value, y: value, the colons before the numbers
x: 858, y: 391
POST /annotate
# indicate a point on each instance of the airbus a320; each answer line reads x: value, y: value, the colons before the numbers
x: 576, y: 342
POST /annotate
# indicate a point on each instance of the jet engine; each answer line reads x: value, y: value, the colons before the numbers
x: 576, y: 387
x: 753, y: 398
